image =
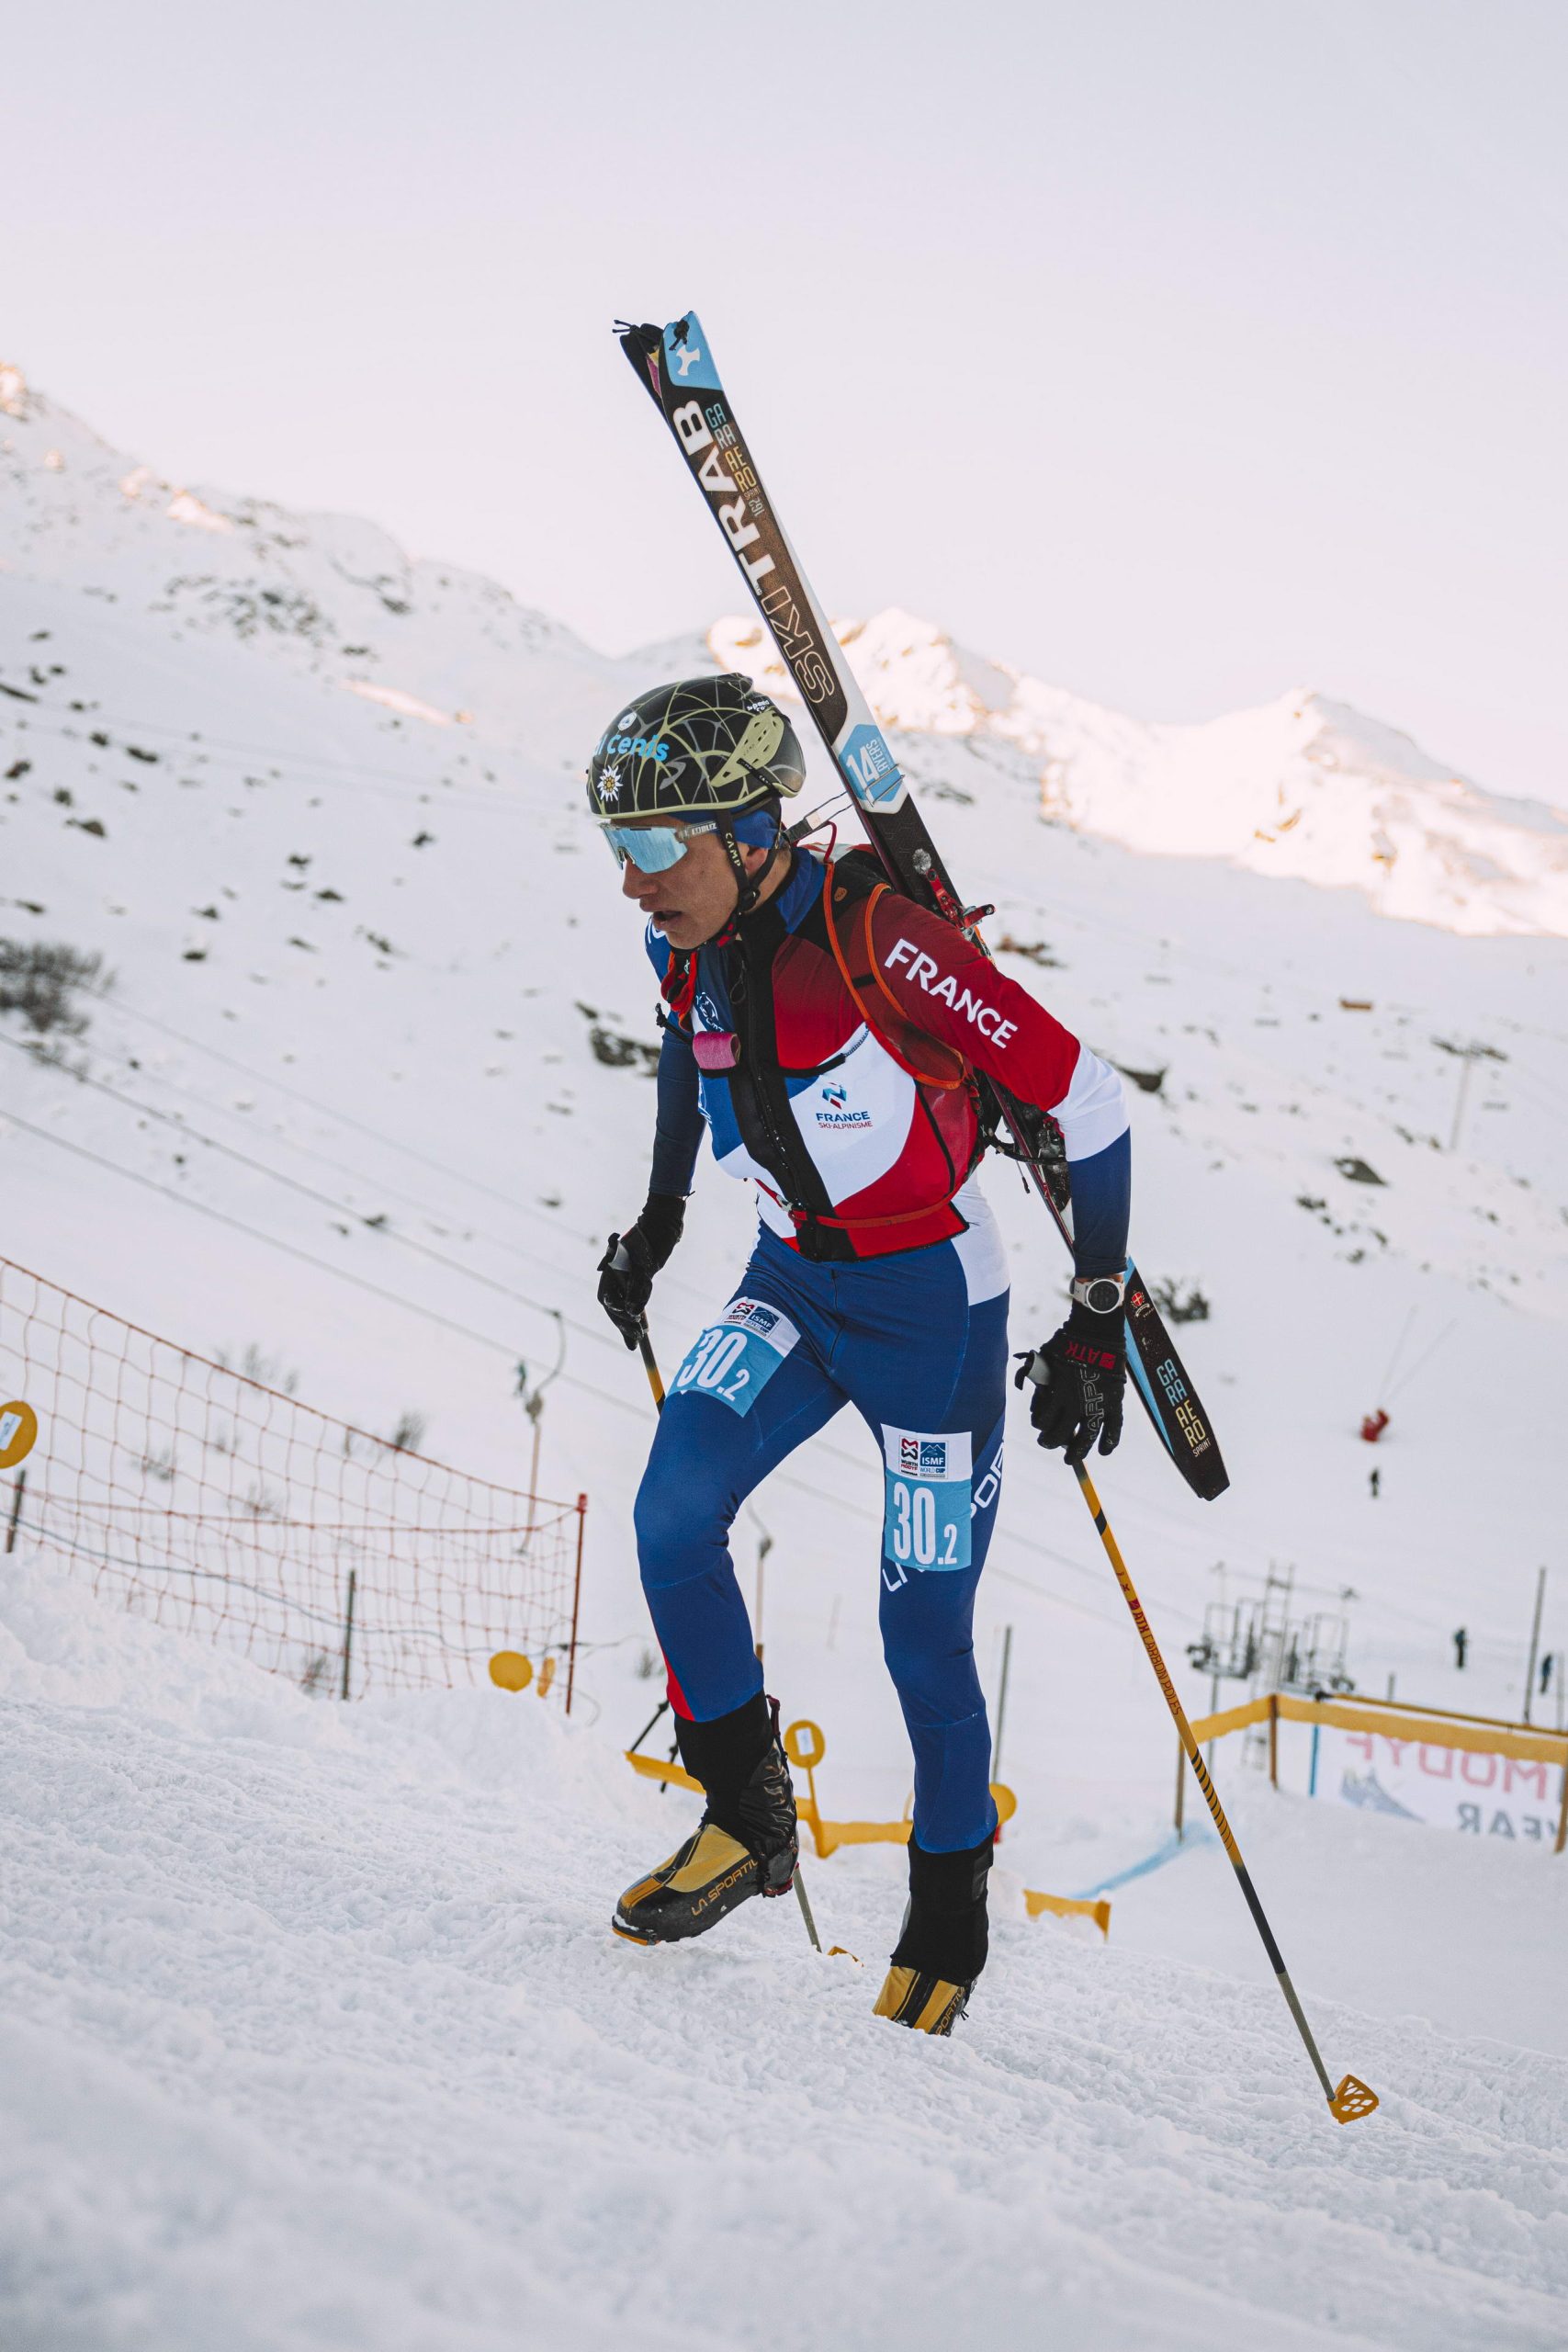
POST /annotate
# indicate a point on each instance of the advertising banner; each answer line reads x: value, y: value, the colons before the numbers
x: 1478, y: 1793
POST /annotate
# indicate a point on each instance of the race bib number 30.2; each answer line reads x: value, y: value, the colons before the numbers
x: 928, y: 1477
x: 735, y: 1358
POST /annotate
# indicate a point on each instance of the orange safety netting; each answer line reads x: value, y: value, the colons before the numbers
x: 211, y: 1502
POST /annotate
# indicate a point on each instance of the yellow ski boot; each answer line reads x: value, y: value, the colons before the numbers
x: 943, y: 1947
x: 746, y: 1842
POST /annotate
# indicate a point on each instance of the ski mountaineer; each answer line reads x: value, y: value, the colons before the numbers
x: 827, y: 1032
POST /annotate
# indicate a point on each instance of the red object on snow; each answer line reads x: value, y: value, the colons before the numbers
x: 1373, y: 1426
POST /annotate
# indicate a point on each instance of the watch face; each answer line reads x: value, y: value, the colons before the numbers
x: 1103, y: 1297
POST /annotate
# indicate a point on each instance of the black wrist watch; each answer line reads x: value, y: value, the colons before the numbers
x: 1101, y: 1294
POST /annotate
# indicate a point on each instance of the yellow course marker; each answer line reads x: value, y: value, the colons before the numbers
x: 805, y: 1745
x: 510, y: 1670
x: 1069, y: 1906
x: 18, y: 1433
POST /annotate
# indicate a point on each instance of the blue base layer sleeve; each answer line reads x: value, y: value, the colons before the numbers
x: 1103, y: 1199
x: 679, y: 1130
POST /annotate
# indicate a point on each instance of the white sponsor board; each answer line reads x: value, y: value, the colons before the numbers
x: 1475, y: 1790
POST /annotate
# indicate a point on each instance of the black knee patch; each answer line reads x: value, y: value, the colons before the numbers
x: 945, y: 1928
x: 724, y: 1753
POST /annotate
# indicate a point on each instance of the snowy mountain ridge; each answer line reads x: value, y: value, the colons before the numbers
x: 1302, y: 788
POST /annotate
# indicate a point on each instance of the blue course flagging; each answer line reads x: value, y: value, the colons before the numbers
x: 1172, y: 1847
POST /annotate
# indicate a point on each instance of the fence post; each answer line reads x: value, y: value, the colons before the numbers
x: 1180, y: 1784
x: 348, y: 1633
x: 17, y: 1493
x: 1273, y: 1739
x: 1535, y: 1642
x: 1002, y: 1703
x: 576, y: 1603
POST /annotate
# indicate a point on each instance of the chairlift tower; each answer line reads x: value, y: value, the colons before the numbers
x: 1260, y: 1641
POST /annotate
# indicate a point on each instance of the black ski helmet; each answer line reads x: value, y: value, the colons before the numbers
x: 703, y: 747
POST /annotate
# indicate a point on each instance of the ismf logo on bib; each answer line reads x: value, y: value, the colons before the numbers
x: 928, y: 1477
x: 735, y: 1358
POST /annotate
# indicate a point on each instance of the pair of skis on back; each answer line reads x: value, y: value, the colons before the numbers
x: 675, y: 366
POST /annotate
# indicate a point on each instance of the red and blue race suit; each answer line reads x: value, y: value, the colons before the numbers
x: 878, y: 1280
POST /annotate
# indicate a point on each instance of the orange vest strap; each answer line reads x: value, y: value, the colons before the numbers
x: 926, y: 1058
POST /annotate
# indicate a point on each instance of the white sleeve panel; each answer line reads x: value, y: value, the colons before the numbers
x: 1093, y: 1111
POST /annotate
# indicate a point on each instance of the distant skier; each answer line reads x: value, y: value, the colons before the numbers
x: 1375, y: 1483
x: 826, y: 1032
x: 1462, y: 1644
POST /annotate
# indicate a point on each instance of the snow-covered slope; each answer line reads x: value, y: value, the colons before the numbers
x: 313, y: 2035
x: 356, y: 1098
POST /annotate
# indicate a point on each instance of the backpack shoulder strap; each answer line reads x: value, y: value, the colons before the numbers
x: 848, y: 905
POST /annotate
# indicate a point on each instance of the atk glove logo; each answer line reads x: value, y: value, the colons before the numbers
x: 924, y: 968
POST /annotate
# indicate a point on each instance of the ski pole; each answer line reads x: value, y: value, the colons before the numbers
x: 663, y: 1708
x: 649, y: 1362
x: 805, y: 1911
x: 1352, y: 2099
x: 619, y: 1264
x: 650, y: 1365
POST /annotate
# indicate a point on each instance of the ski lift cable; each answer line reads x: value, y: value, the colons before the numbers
x: 436, y: 1257
x: 1399, y: 1351
x: 1422, y: 1360
x: 322, y: 1200
x: 572, y: 1380
x: 281, y: 1085
x: 376, y: 1181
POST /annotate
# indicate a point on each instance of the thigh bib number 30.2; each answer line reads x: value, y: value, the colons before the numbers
x: 928, y: 1477
x: 735, y: 1358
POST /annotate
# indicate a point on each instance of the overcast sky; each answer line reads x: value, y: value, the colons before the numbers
x: 1178, y: 351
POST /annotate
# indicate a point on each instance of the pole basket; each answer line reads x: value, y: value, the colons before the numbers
x: 1351, y: 2100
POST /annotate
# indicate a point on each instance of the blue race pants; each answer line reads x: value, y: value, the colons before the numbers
x: 898, y: 1339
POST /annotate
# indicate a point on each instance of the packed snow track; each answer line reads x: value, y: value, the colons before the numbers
x: 315, y: 2035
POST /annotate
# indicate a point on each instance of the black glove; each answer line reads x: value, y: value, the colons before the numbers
x: 1079, y: 1376
x: 626, y: 1288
